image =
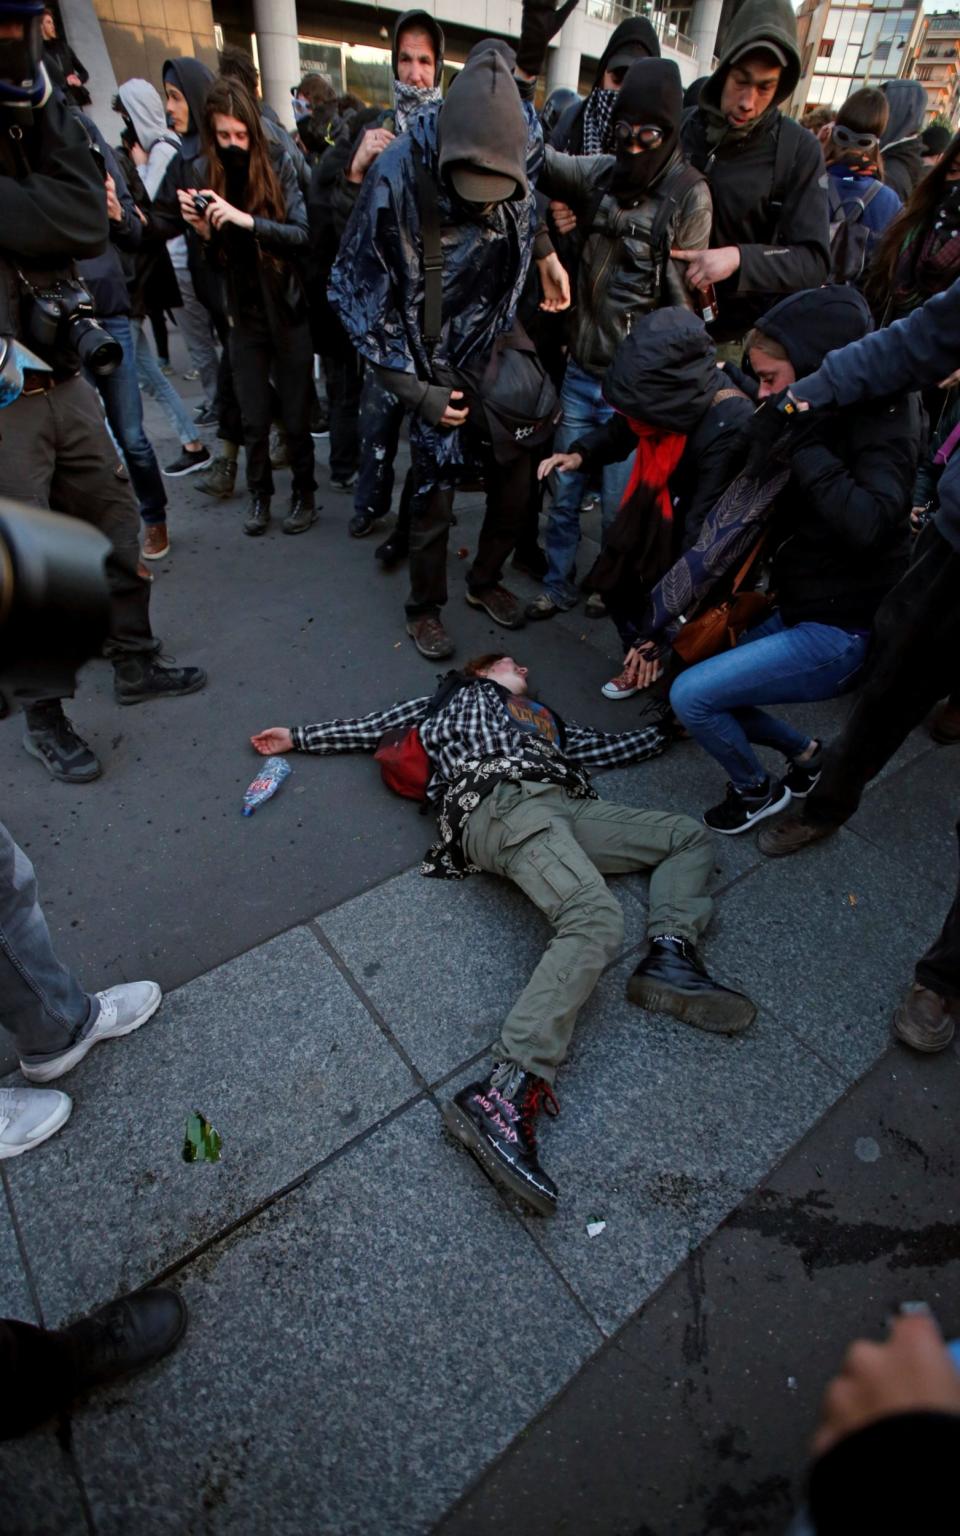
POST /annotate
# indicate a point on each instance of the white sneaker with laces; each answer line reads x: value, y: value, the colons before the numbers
x: 28, y: 1116
x: 122, y: 1010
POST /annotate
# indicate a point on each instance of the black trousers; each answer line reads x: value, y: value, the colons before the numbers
x: 37, y: 1371
x: 229, y: 419
x: 257, y: 351
x: 915, y: 661
x: 56, y: 453
x: 508, y: 489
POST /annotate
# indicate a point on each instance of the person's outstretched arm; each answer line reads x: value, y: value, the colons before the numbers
x: 606, y: 749
x: 360, y: 735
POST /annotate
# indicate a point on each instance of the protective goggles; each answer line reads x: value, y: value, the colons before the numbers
x: 847, y: 139
x: 647, y: 136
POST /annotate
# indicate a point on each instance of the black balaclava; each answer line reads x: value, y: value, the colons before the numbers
x: 651, y: 94
x: 236, y: 170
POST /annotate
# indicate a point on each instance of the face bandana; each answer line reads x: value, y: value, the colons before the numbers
x: 407, y: 98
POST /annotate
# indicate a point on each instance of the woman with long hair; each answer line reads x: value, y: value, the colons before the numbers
x: 855, y: 170
x: 919, y: 254
x: 251, y: 214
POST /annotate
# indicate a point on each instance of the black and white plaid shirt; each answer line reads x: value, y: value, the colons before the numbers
x: 472, y: 734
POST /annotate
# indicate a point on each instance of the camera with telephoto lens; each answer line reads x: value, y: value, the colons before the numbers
x: 62, y: 316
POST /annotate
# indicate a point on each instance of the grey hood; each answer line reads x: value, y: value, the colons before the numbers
x: 481, y: 123
x: 142, y: 105
x: 907, y: 100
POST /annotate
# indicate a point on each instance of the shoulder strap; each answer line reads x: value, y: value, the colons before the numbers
x: 679, y: 181
x: 432, y: 252
x: 748, y: 565
x: 782, y: 166
x: 870, y: 194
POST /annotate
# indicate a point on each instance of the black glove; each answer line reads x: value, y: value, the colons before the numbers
x: 540, y: 21
x: 766, y: 433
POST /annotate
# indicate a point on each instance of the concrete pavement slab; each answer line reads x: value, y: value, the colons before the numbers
x: 696, y: 1417
x: 912, y: 817
x: 356, y: 1356
x: 274, y: 1049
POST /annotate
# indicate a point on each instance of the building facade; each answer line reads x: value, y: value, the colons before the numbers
x: 936, y: 64
x: 846, y: 44
x: 349, y: 40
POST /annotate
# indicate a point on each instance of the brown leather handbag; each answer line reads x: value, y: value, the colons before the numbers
x: 719, y: 627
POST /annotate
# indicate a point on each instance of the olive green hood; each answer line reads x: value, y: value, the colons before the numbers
x: 756, y: 23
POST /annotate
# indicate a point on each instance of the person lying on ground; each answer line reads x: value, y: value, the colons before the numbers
x: 513, y: 796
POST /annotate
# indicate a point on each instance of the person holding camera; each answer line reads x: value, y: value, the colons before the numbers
x: 55, y: 450
x: 248, y: 210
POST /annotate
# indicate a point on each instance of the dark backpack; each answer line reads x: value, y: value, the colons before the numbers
x: 849, y: 236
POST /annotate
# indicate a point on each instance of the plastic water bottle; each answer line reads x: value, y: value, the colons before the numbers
x: 266, y: 783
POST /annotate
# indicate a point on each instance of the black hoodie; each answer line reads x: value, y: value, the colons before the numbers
x: 636, y: 33
x: 420, y: 21
x: 780, y: 223
x: 840, y: 530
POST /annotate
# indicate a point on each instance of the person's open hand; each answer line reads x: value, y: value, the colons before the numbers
x: 555, y: 283
x: 910, y: 1373
x: 706, y: 267
x: 372, y: 143
x: 644, y: 664
x: 564, y: 463
x: 276, y: 738
x: 950, y: 380
x: 564, y: 218
x: 114, y: 210
x: 454, y: 416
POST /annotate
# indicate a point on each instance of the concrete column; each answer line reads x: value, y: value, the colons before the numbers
x: 704, y: 25
x: 81, y: 25
x: 563, y: 60
x: 275, y: 23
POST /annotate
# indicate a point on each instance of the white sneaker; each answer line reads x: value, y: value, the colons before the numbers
x: 122, y: 1010
x: 28, y: 1116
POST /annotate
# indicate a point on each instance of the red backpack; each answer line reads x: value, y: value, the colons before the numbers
x: 404, y: 765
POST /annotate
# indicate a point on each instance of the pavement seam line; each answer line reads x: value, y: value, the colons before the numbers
x: 363, y: 997
x: 25, y: 1264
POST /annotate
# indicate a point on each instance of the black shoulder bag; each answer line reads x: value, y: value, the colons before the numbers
x: 513, y: 402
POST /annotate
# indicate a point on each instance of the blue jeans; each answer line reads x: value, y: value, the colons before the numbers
x: 120, y: 393
x: 583, y: 409
x: 42, y: 1005
x: 775, y: 663
x: 157, y: 385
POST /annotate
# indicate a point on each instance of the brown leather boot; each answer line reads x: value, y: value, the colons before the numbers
x: 777, y: 839
x: 925, y: 1019
x: 945, y: 724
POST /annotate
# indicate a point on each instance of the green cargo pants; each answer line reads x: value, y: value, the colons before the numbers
x: 557, y: 848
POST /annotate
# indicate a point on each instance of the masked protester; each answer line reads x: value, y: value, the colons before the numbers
x: 633, y: 207
x: 586, y: 127
x: 252, y: 220
x: 55, y: 450
x: 861, y: 206
x: 901, y: 142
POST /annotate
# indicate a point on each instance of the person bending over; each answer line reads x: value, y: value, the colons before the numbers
x: 513, y: 796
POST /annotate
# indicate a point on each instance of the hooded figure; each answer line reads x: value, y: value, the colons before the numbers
x: 585, y: 128
x: 145, y: 111
x: 900, y: 142
x: 651, y: 95
x: 407, y: 98
x: 193, y: 80
x: 766, y: 176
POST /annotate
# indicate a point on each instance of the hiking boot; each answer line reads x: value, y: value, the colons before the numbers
x: 672, y: 980
x: 156, y: 541
x: 51, y: 739
x: 303, y: 513
x: 500, y: 604
x: 925, y: 1020
x: 595, y: 607
x: 532, y: 562
x: 800, y: 778
x: 28, y: 1116
x: 430, y: 637
x: 393, y: 549
x: 623, y: 686
x: 125, y: 1336
x: 790, y: 835
x: 122, y: 1010
x: 495, y: 1120
x: 743, y: 807
x: 137, y: 679
x: 362, y: 523
x: 220, y: 479
x: 542, y: 607
x: 190, y: 460
x: 257, y: 520
x: 944, y: 724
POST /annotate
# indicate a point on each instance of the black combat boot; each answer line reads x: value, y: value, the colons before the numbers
x: 672, y: 980
x: 258, y: 518
x: 495, y: 1120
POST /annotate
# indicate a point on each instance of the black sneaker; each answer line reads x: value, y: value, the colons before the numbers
x: 744, y: 807
x: 672, y: 980
x: 800, y: 778
x: 495, y: 1121
x: 51, y: 739
x: 392, y: 550
x: 205, y: 416
x: 125, y: 1336
x: 137, y: 679
x: 362, y: 523
x: 189, y: 460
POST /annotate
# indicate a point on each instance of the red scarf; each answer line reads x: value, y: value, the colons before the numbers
x: 638, y: 547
